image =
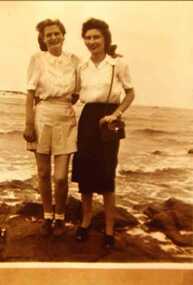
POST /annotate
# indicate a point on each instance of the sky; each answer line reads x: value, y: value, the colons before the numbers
x: 155, y: 37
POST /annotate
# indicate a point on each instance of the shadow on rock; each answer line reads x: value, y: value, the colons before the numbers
x: 172, y: 217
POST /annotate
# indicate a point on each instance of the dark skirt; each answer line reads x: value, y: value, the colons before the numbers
x: 94, y: 164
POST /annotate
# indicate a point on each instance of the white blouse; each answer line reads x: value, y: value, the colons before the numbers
x: 52, y: 76
x: 95, y: 81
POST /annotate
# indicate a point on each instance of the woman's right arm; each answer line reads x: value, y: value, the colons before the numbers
x: 29, y: 132
x: 33, y: 75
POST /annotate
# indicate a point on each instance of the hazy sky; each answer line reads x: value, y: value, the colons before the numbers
x: 156, y: 38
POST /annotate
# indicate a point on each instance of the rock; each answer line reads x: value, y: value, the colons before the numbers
x: 31, y: 209
x: 122, y: 217
x: 182, y: 213
x: 178, y: 211
x: 74, y: 213
x: 178, y: 238
x: 4, y: 209
x: 73, y: 210
x: 152, y: 209
x: 148, y: 247
x: 171, y: 217
x: 24, y: 243
x: 132, y: 248
x: 190, y: 151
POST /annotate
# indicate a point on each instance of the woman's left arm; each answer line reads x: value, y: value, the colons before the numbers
x: 129, y: 97
x: 123, y: 75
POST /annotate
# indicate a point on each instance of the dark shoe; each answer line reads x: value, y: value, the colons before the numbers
x: 82, y: 233
x: 59, y: 228
x: 109, y: 241
x: 46, y: 228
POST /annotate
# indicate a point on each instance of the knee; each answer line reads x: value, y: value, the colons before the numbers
x: 44, y: 173
x: 60, y: 180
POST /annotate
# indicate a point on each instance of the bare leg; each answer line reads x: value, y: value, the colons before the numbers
x: 109, y: 206
x: 82, y: 231
x: 87, y: 210
x: 44, y: 175
x: 61, y: 163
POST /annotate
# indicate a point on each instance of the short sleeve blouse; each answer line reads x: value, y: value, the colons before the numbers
x: 95, y: 81
x: 51, y: 76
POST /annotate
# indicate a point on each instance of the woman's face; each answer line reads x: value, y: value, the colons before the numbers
x: 53, y: 38
x: 94, y: 40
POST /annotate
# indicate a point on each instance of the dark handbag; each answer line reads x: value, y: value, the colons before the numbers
x: 116, y: 129
x: 113, y: 131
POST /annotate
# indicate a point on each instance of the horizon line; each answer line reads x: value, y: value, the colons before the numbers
x: 18, y: 92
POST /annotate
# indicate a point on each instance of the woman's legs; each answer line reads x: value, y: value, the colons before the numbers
x: 44, y: 175
x: 82, y: 231
x: 86, y: 210
x: 110, y: 154
x: 109, y: 207
x: 61, y: 163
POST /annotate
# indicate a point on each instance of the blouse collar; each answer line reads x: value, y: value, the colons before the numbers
x: 108, y: 59
x: 55, y: 59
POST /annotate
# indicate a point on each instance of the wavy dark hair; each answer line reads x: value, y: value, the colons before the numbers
x: 103, y: 27
x: 41, y: 28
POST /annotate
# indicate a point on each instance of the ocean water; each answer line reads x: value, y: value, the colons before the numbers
x: 154, y: 163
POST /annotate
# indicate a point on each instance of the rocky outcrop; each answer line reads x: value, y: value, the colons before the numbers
x: 24, y: 243
x: 172, y: 217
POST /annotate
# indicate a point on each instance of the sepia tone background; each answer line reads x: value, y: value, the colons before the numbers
x: 155, y: 37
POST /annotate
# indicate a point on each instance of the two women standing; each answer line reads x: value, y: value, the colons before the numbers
x: 95, y: 161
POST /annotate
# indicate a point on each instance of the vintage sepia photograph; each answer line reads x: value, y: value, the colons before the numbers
x: 96, y: 142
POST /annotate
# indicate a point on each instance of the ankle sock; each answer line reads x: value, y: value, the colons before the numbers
x: 49, y: 216
x: 59, y: 217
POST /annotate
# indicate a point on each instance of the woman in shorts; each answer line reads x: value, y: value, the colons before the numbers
x: 50, y: 128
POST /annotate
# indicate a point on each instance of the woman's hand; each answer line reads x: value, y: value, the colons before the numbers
x: 108, y: 119
x: 29, y: 134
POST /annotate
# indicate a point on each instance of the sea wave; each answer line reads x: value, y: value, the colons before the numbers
x: 149, y: 131
x: 154, y: 172
x: 17, y: 112
x: 11, y: 132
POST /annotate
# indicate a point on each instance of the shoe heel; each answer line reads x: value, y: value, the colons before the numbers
x: 109, y: 241
x: 82, y: 233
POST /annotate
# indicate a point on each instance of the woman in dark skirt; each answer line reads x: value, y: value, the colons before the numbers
x: 104, y: 78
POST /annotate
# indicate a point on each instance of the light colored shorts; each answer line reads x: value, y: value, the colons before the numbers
x: 56, y: 129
